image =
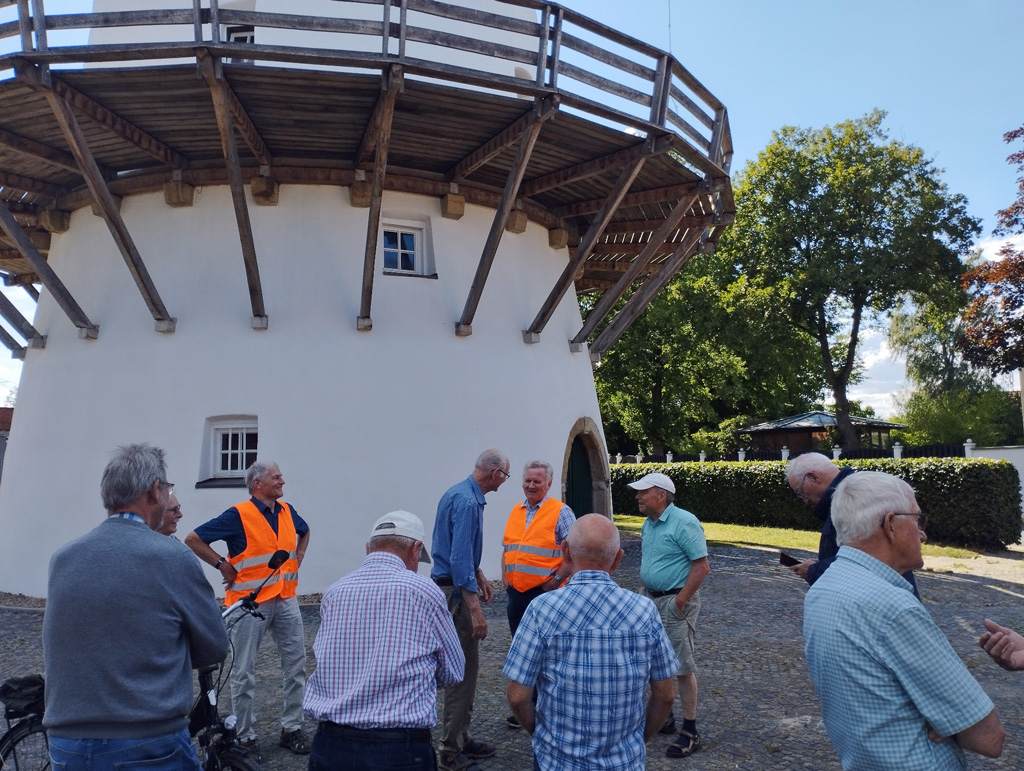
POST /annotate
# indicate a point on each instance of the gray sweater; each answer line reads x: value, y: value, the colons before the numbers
x: 128, y: 615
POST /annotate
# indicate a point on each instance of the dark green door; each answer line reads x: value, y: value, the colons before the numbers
x: 579, y: 491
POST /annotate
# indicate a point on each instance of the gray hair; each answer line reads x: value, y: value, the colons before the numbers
x: 587, y: 545
x: 862, y: 500
x: 540, y: 464
x: 130, y: 474
x: 490, y: 460
x: 804, y: 464
x: 391, y: 543
x: 257, y: 471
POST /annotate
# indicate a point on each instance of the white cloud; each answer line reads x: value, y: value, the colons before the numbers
x: 989, y: 247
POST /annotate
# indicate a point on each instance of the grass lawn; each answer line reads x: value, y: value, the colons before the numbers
x: 778, y: 538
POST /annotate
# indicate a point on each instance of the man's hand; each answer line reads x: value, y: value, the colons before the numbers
x: 802, y: 568
x: 484, y: 588
x: 228, y: 573
x: 476, y: 615
x: 550, y: 585
x: 1005, y: 646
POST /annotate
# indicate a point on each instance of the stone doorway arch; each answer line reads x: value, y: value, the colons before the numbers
x: 586, y: 475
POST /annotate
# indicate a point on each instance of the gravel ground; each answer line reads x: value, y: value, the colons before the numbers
x: 757, y: 708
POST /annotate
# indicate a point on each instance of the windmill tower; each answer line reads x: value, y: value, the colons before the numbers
x: 349, y: 238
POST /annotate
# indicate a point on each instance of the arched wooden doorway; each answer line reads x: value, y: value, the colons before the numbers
x: 586, y: 476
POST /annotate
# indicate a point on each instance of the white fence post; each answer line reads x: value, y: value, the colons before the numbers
x: 639, y: 457
x: 897, y: 451
x: 703, y: 456
x: 668, y: 457
x: 969, y: 448
x: 785, y: 453
x: 836, y: 452
x: 618, y: 457
x: 741, y: 455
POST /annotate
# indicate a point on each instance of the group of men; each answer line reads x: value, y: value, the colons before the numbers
x: 592, y: 671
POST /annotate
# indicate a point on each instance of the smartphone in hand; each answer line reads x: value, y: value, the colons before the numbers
x: 788, y: 561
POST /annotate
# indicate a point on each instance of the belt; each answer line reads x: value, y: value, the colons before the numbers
x: 376, y: 734
x: 663, y: 594
x: 447, y: 581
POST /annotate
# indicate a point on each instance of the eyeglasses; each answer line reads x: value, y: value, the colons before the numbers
x: 800, y: 488
x: 502, y: 471
x: 922, y: 518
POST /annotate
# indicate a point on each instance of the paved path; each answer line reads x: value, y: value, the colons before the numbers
x: 757, y: 708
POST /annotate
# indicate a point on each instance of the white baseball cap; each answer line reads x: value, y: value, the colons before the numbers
x: 654, y: 479
x: 402, y: 523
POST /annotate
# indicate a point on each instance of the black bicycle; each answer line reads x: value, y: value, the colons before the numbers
x: 24, y: 746
x: 219, y: 748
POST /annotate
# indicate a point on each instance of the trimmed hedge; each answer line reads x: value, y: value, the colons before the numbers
x: 971, y: 502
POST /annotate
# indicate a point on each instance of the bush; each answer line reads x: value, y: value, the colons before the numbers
x: 971, y: 502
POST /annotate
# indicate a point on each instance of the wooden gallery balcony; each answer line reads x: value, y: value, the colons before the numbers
x: 535, y: 111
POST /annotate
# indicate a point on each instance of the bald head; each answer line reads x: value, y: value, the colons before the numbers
x: 593, y: 544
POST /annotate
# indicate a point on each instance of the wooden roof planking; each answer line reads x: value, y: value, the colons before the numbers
x: 609, y: 162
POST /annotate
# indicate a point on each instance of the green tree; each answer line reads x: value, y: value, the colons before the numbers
x: 709, y: 348
x: 846, y: 224
x: 991, y: 417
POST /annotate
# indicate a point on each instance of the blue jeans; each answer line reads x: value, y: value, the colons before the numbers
x: 170, y: 752
x: 332, y: 751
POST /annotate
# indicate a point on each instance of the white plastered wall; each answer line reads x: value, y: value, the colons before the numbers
x: 360, y: 422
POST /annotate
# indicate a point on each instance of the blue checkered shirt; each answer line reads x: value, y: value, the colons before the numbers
x: 883, y: 670
x: 590, y: 650
x: 386, y: 644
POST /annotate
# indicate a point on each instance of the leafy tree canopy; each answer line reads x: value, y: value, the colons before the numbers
x: 845, y: 224
x: 993, y: 334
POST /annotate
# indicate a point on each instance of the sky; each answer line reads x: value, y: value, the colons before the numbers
x: 945, y: 71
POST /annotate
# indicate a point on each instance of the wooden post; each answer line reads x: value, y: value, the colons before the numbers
x: 74, y: 312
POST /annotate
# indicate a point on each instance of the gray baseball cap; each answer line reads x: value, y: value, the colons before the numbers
x: 654, y: 479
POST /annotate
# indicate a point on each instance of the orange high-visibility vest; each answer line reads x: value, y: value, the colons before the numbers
x: 260, y: 544
x: 531, y: 554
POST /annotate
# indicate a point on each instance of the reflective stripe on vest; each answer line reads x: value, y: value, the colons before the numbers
x: 260, y: 544
x: 531, y: 553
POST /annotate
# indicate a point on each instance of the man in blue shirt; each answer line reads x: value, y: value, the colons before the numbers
x: 457, y: 549
x: 673, y: 564
x: 590, y: 650
x: 894, y: 695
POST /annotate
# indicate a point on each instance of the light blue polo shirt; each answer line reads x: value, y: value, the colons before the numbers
x: 668, y: 545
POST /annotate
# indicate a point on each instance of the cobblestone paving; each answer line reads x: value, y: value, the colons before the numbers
x: 757, y: 709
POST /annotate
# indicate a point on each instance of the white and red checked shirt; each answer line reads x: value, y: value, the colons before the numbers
x: 386, y: 644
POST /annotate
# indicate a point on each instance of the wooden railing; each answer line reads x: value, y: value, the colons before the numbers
x: 592, y: 68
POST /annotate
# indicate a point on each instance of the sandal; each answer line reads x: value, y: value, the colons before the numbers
x: 685, y: 744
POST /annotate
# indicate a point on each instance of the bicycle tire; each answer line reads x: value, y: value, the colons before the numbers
x: 25, y: 747
x: 230, y: 760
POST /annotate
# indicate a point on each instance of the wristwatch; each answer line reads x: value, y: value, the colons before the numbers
x: 220, y: 562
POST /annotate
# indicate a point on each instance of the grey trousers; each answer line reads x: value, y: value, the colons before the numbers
x: 458, y: 700
x: 283, y: 620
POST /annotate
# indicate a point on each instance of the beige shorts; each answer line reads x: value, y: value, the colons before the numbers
x: 681, y: 628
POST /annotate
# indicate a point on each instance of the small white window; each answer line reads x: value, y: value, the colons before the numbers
x: 230, y: 445
x: 241, y: 34
x: 405, y: 249
x: 235, y: 450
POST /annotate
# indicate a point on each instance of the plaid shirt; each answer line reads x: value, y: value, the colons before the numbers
x: 883, y: 670
x: 386, y: 644
x: 590, y: 649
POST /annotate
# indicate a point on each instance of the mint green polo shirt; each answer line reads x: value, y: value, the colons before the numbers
x: 668, y: 545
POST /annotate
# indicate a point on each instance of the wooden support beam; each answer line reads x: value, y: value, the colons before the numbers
x: 17, y: 349
x: 642, y: 197
x: 86, y: 329
x: 106, y: 118
x: 642, y: 297
x: 390, y: 85
x: 108, y: 206
x: 500, y: 142
x: 34, y: 149
x: 608, y: 208
x: 30, y: 185
x: 236, y: 183
x: 598, y: 166
x: 649, y: 226
x: 239, y: 115
x: 20, y: 323
x: 609, y: 298
x: 541, y: 114
x: 594, y: 267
